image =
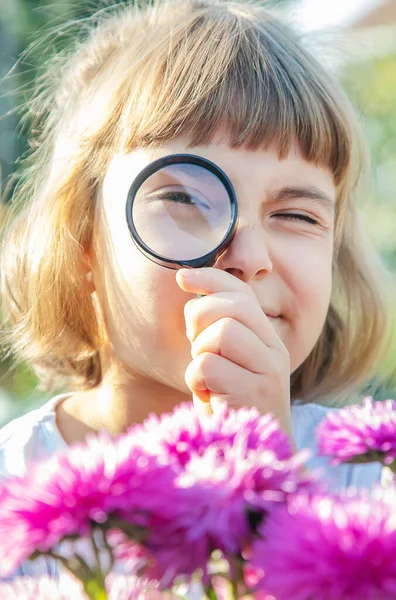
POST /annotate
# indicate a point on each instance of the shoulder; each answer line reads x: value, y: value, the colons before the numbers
x: 22, y: 442
x: 27, y: 439
x: 305, y: 419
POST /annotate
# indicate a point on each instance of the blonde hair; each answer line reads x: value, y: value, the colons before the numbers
x: 137, y: 77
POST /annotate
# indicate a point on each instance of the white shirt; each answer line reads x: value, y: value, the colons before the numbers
x: 36, y: 435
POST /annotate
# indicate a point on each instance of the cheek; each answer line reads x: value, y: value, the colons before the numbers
x: 313, y: 285
x: 307, y: 267
x: 141, y: 302
x: 308, y: 275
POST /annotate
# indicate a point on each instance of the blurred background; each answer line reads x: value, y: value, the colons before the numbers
x: 355, y: 38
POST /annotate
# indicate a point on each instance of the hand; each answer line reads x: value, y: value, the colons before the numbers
x: 237, y: 355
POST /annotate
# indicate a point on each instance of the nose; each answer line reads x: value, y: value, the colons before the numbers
x: 248, y: 256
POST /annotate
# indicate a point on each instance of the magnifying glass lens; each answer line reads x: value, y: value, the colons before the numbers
x: 182, y: 211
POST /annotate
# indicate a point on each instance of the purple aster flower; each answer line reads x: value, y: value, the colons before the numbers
x: 42, y: 588
x: 338, y: 547
x: 181, y: 434
x: 123, y: 587
x: 225, y: 487
x: 252, y: 577
x: 66, y: 494
x: 228, y: 472
x: 188, y: 484
x: 360, y: 433
x: 118, y: 587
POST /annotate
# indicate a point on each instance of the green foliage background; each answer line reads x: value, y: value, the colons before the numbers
x: 370, y: 81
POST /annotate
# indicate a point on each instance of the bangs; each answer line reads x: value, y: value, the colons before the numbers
x: 217, y: 68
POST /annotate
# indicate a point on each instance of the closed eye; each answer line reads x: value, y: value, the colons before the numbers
x: 296, y: 216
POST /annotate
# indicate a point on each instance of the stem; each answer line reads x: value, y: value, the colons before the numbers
x: 94, y: 590
x: 77, y: 566
x: 211, y: 593
x: 109, y: 550
x: 77, y: 572
x: 238, y: 578
x: 234, y: 590
x: 98, y: 569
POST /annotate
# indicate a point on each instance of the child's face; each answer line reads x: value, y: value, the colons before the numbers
x: 287, y: 261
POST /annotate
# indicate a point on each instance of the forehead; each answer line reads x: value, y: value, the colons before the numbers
x: 252, y: 172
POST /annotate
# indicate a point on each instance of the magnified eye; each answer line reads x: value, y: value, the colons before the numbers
x: 182, y: 198
x: 181, y: 211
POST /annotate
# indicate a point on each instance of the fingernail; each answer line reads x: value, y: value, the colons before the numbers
x: 187, y: 273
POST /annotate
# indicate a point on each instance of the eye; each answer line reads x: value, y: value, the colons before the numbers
x: 178, y: 197
x: 296, y: 217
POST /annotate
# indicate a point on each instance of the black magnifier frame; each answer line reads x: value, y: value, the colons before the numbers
x: 208, y: 260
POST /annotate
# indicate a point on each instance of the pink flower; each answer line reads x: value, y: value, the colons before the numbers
x: 180, y: 435
x: 339, y: 547
x: 118, y: 587
x: 360, y: 433
x: 42, y: 588
x: 224, y: 483
x: 226, y: 469
x: 67, y: 494
x: 191, y: 487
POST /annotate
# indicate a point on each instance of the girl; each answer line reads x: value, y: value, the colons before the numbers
x: 292, y: 313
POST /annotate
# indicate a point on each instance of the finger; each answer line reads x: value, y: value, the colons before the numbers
x: 203, y: 312
x: 211, y: 280
x: 234, y: 341
x: 215, y: 380
x: 209, y: 376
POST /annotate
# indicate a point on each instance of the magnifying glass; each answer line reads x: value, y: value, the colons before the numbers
x: 182, y: 211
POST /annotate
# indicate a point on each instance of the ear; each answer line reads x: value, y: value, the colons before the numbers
x: 87, y: 260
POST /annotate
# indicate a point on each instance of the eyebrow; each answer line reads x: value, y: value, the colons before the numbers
x: 299, y: 192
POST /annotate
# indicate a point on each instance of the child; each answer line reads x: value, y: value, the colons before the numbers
x: 291, y: 315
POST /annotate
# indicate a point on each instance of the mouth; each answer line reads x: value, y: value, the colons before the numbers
x: 278, y: 323
x: 271, y: 314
